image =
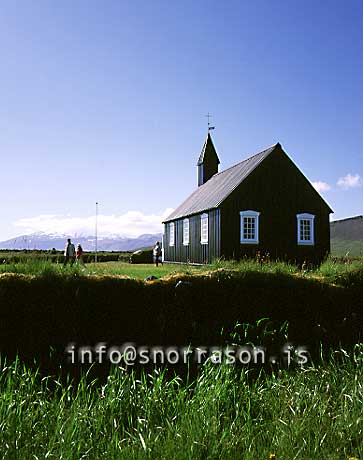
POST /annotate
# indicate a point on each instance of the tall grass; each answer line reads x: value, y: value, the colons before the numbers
x: 311, y: 413
x: 44, y: 268
x: 329, y: 270
x: 252, y: 265
x: 40, y: 268
x: 335, y: 267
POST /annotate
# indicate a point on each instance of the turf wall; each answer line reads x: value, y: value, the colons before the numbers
x: 39, y: 314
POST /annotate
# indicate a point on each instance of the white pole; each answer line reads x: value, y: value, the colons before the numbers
x: 96, y: 232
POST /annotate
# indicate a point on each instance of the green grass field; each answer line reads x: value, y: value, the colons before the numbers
x: 328, y: 270
x: 312, y: 413
x: 139, y: 271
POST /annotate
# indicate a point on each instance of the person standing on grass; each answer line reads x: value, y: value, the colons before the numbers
x: 69, y: 252
x: 157, y: 254
x: 79, y: 254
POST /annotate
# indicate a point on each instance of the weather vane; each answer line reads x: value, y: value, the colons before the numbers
x: 209, y: 116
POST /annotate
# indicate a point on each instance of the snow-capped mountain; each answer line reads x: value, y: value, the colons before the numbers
x: 109, y: 243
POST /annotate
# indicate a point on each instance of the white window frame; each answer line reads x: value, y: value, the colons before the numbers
x: 186, y: 235
x: 249, y: 214
x: 310, y: 218
x: 204, y: 228
x: 171, y: 234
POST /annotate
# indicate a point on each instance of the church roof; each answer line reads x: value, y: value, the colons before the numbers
x: 212, y: 193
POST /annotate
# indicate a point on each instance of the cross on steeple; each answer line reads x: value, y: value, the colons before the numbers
x: 209, y: 116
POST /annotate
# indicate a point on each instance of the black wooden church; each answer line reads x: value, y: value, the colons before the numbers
x: 263, y: 205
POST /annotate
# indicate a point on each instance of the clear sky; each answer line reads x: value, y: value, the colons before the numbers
x: 106, y: 100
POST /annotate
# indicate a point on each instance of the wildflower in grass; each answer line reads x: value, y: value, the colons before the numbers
x: 272, y: 456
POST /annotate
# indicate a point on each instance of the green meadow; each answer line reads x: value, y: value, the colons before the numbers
x: 328, y: 270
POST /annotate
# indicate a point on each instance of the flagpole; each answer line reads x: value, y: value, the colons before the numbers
x: 96, y: 229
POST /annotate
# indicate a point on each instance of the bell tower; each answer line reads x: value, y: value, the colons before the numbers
x: 208, y: 161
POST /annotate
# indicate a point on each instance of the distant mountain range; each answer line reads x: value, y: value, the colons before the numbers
x: 347, y: 236
x: 112, y: 243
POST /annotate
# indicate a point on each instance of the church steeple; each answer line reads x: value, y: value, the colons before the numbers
x: 208, y: 161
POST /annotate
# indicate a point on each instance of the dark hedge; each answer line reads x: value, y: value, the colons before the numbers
x: 42, y: 313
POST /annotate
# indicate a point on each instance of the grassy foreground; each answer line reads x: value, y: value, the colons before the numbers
x: 138, y: 271
x: 328, y: 270
x: 311, y: 413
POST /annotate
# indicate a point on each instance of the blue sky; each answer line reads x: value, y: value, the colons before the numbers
x: 107, y: 100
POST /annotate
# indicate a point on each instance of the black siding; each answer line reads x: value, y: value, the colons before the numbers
x: 195, y: 252
x: 279, y: 191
